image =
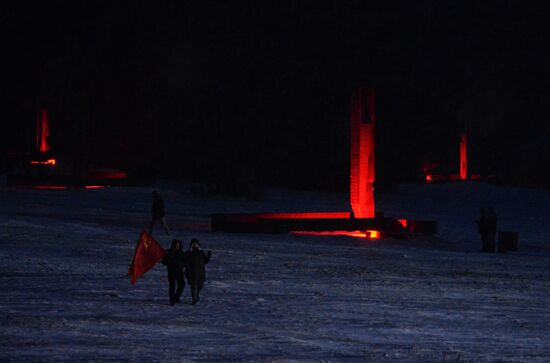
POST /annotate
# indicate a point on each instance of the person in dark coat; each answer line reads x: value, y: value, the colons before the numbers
x: 491, y: 217
x: 483, y: 229
x: 174, y: 260
x: 195, y: 259
x: 157, y: 213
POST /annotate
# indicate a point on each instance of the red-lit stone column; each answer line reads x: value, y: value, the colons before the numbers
x: 42, y: 131
x: 463, y: 157
x: 362, y: 153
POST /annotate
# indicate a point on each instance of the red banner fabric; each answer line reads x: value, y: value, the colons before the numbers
x: 148, y: 253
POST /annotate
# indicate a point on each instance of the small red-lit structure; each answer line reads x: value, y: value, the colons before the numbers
x: 333, y: 223
x: 463, y: 157
x: 42, y: 131
x: 431, y: 176
x: 109, y: 174
x: 45, y: 162
x: 46, y: 171
x: 42, y: 143
x: 361, y: 234
x: 363, y: 221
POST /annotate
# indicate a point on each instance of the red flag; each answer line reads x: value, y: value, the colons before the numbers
x: 148, y: 253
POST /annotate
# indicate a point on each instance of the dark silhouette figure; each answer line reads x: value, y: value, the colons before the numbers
x: 482, y: 229
x: 174, y: 260
x: 157, y: 213
x: 491, y: 218
x: 195, y: 259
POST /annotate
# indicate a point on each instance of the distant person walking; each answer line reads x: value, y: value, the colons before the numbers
x: 491, y: 217
x: 175, y: 263
x: 157, y: 213
x: 482, y: 229
x: 195, y: 259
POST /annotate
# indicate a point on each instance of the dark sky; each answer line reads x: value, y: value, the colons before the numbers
x: 259, y: 91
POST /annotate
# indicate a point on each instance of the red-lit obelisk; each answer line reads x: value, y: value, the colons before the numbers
x: 42, y: 132
x: 362, y: 153
x: 463, y: 157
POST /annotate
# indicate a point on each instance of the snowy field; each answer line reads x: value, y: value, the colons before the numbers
x: 65, y: 297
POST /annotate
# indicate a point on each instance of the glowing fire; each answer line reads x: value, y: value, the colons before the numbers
x: 371, y: 234
x: 47, y: 162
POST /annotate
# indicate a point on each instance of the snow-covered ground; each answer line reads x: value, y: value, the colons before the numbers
x: 64, y: 295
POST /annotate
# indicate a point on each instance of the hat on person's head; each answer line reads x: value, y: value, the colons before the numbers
x: 175, y: 242
x: 193, y: 241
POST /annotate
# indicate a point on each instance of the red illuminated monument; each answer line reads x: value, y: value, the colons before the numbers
x: 362, y: 222
x: 463, y: 157
x: 42, y: 135
x: 42, y: 132
x: 47, y: 171
x: 429, y: 176
x: 362, y: 153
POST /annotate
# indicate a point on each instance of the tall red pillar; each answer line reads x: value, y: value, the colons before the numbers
x: 42, y: 131
x: 362, y: 153
x: 463, y: 157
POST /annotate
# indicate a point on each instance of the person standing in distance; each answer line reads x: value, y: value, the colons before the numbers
x: 157, y: 213
x: 175, y: 263
x: 195, y: 259
x: 491, y: 228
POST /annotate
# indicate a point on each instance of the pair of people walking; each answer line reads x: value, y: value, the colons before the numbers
x: 193, y: 261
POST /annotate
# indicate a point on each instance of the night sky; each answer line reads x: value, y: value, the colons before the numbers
x: 259, y: 92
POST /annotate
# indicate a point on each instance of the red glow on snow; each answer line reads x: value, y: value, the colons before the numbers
x: 50, y: 187
x: 47, y: 162
x: 463, y: 157
x: 373, y: 234
x: 403, y: 222
x: 362, y: 153
x: 428, y: 178
x: 359, y: 234
x: 94, y: 186
x: 42, y: 132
